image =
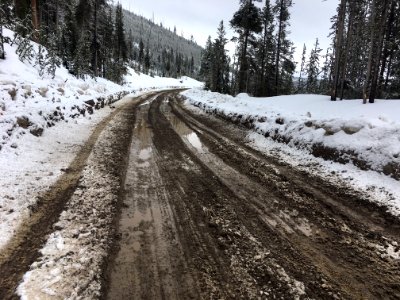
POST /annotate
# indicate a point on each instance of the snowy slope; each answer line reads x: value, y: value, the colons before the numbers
x: 360, y: 142
x: 368, y: 135
x: 30, y: 103
x: 44, y: 122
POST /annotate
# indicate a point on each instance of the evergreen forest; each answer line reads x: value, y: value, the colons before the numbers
x: 94, y: 38
x: 362, y: 62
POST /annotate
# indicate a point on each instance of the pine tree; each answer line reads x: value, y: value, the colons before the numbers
x: 121, y: 47
x: 284, y: 53
x: 313, y: 69
x: 325, y: 82
x: 24, y: 49
x: 141, y: 54
x: 392, y: 25
x: 220, y: 63
x: 83, y: 55
x: 379, y: 14
x: 130, y: 45
x: 69, y: 37
x: 391, y: 81
x: 191, y: 71
x: 206, y: 63
x: 147, y: 61
x: 338, y: 46
x: 106, y: 55
x: 288, y: 67
x: 265, y: 53
x: 300, y: 84
x: 246, y: 21
x: 22, y: 8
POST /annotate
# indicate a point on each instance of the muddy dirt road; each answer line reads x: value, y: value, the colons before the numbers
x: 201, y: 215
x: 206, y: 217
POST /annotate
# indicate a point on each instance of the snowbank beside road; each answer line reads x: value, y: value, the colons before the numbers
x: 345, y: 142
x: 344, y: 131
x: 30, y: 103
x: 43, y: 123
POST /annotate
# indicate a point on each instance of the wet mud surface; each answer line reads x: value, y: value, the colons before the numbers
x: 200, y: 215
x: 204, y: 216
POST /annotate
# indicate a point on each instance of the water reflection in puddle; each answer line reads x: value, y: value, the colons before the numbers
x: 145, y: 153
x: 188, y: 135
x: 194, y: 141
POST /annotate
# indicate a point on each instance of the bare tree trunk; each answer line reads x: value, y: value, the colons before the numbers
x: 338, y: 47
x: 388, y: 48
x: 2, y: 52
x: 349, y: 41
x: 379, y: 45
x: 95, y: 59
x: 389, y: 70
x: 261, y: 87
x: 367, y: 82
x: 35, y: 20
x: 243, y: 65
x: 278, y: 49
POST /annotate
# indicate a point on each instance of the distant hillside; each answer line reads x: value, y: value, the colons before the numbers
x: 161, y: 43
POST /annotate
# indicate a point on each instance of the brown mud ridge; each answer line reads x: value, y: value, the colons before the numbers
x: 203, y: 216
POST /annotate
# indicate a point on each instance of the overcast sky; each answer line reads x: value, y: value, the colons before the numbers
x: 310, y: 19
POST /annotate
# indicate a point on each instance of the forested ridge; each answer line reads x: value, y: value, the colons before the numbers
x: 170, y: 54
x: 94, y: 38
x: 362, y: 62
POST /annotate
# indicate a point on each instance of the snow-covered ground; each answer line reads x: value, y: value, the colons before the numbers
x: 43, y: 123
x: 355, y: 144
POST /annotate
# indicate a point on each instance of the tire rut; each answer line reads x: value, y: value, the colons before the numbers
x: 23, y: 248
x: 148, y: 263
x: 339, y: 243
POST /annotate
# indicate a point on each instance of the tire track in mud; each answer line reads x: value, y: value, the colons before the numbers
x: 205, y: 210
x: 149, y: 262
x: 23, y: 248
x: 340, y: 243
x: 193, y: 192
